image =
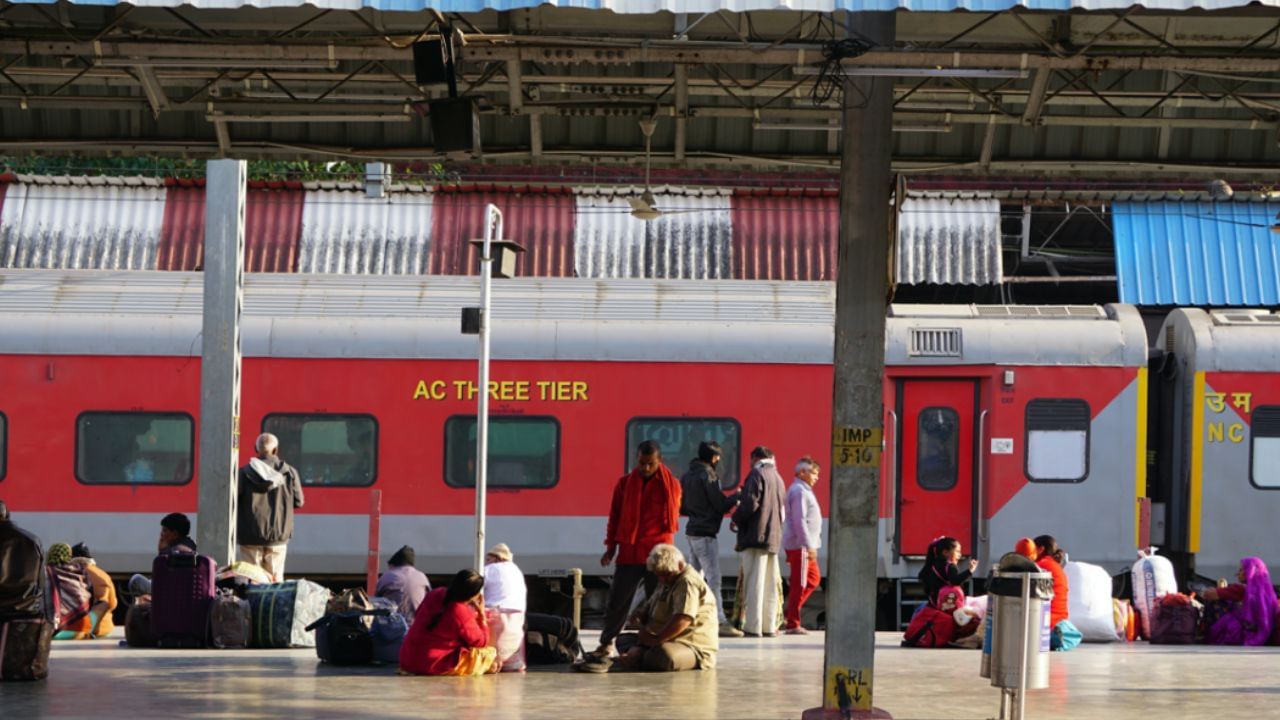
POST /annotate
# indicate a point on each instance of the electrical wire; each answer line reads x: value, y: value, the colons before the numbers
x: 831, y: 75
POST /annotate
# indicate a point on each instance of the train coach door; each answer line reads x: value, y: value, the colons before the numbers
x: 936, y: 451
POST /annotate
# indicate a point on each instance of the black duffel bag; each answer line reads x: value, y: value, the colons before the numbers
x: 343, y: 638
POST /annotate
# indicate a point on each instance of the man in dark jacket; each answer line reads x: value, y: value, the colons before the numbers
x: 758, y: 519
x: 270, y: 491
x: 705, y: 504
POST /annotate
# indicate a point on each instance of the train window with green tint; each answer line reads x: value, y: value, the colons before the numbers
x: 524, y: 452
x: 134, y: 448
x: 1057, y: 442
x: 937, y: 448
x: 328, y: 449
x: 4, y: 445
x: 1264, y: 451
x: 679, y: 438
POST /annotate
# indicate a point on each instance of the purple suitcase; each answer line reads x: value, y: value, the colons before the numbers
x: 182, y: 590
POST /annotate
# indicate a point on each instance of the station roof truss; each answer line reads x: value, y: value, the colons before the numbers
x: 1128, y: 91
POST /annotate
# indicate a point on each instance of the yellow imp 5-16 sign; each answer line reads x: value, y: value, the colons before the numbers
x: 504, y: 390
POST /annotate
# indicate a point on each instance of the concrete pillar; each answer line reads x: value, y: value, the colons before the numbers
x: 220, y: 357
x: 857, y: 408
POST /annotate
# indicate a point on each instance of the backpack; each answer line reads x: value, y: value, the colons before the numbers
x: 230, y: 621
x: 73, y: 593
x: 343, y: 638
x: 137, y: 626
x: 550, y: 640
x: 388, y: 632
x: 930, y: 628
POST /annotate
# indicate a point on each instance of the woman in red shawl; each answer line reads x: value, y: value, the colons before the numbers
x: 449, y: 634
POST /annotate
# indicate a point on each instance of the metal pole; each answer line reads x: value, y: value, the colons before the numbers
x: 1020, y: 707
x: 375, y: 536
x: 857, y: 415
x: 492, y: 225
x: 220, y: 357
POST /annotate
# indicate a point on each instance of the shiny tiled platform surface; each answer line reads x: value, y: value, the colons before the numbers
x: 766, y: 678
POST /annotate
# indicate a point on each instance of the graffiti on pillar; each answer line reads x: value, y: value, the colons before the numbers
x: 849, y: 689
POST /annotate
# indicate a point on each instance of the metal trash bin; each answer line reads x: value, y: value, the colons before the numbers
x: 1016, y: 647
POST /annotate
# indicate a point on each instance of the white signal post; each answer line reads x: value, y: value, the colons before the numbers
x: 492, y: 228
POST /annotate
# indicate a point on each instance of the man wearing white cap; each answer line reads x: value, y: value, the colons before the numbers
x: 505, y: 600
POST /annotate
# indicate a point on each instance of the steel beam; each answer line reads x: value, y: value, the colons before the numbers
x: 1035, y: 98
x: 220, y: 357
x: 681, y: 110
x: 151, y: 86
x: 628, y: 51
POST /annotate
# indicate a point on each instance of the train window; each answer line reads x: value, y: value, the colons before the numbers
x: 134, y: 448
x: 679, y: 439
x: 328, y: 449
x: 1057, y: 440
x: 1264, y: 457
x: 937, y: 448
x: 524, y: 452
x: 4, y: 444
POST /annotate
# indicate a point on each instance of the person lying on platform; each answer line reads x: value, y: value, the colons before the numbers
x: 449, y: 634
x: 678, y: 626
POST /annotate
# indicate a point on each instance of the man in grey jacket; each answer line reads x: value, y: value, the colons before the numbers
x: 758, y: 519
x: 705, y: 504
x: 269, y: 492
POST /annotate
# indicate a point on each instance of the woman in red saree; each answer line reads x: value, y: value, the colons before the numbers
x: 449, y: 634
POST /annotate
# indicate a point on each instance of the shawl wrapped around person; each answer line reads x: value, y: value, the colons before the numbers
x: 1252, y: 619
x: 643, y: 513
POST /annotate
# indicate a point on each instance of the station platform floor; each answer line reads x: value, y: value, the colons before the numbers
x: 756, y: 678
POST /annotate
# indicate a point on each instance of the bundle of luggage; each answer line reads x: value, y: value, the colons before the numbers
x: 29, y: 609
x: 188, y: 608
x: 358, y: 630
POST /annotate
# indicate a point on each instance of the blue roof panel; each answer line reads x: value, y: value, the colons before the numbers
x: 1197, y: 253
x: 690, y: 6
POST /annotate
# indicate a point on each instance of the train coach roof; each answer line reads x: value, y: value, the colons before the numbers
x: 295, y: 315
x: 1237, y: 340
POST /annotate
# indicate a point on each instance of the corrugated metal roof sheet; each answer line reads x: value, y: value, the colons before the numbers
x: 349, y: 232
x: 541, y: 222
x: 272, y: 227
x: 81, y: 226
x: 693, y: 240
x: 688, y: 6
x: 1189, y: 253
x: 785, y: 237
x: 949, y: 242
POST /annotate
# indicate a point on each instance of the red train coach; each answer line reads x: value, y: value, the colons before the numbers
x: 1000, y: 422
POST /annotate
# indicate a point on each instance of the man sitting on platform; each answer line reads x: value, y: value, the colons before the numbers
x: 679, y: 630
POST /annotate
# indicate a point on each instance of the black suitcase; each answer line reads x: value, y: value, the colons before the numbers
x: 24, y: 649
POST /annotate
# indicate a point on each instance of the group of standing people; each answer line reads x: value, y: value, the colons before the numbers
x: 767, y: 519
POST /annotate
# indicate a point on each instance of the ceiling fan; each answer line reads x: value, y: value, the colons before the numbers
x: 643, y: 207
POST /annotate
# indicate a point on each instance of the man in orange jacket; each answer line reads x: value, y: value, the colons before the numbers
x: 645, y: 512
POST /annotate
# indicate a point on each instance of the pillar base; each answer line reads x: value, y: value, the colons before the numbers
x: 818, y: 713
